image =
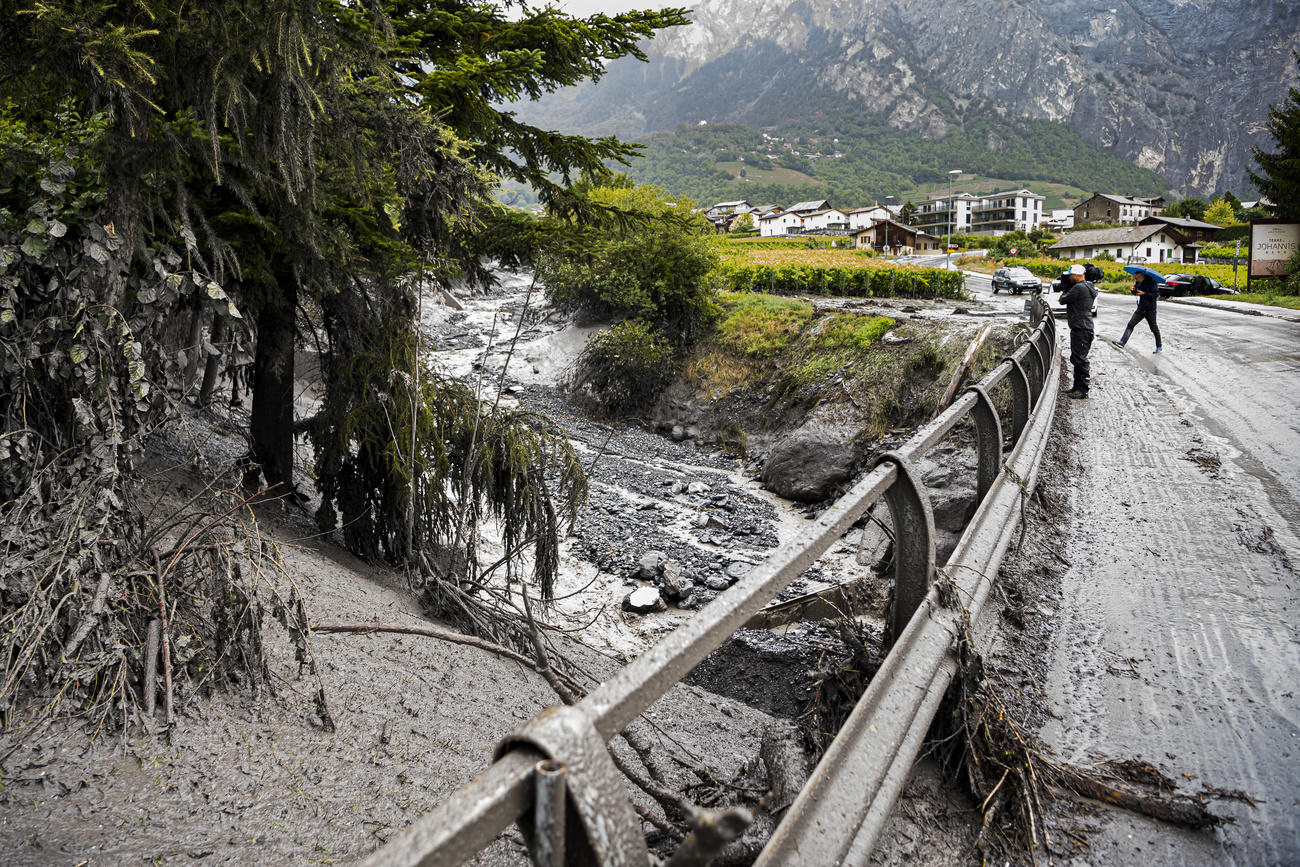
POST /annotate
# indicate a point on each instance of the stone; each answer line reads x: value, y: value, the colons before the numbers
x: 737, y: 570
x: 651, y: 563
x: 716, y: 582
x: 674, y: 585
x: 643, y: 600
x: 697, y: 488
x: 679, y: 433
x: 811, y: 463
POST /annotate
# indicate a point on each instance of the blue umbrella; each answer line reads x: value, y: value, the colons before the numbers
x: 1155, y: 275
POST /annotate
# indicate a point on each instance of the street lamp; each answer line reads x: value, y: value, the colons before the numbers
x: 952, y: 218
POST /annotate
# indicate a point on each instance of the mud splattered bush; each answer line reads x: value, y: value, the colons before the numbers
x: 88, y: 369
x: 623, y: 368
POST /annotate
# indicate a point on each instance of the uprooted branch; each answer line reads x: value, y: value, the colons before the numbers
x: 1012, y: 774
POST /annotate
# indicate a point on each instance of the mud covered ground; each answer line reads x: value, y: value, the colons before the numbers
x: 259, y: 778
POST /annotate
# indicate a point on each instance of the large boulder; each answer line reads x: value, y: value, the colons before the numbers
x: 811, y: 463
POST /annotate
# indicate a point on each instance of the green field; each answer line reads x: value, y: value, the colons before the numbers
x: 766, y: 174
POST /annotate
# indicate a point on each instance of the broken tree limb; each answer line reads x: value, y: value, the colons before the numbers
x: 151, y: 668
x: 361, y: 628
x: 963, y: 368
x: 88, y: 622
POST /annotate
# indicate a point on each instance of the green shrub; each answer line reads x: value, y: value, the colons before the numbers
x: 759, y: 325
x: 623, y: 368
x: 649, y: 260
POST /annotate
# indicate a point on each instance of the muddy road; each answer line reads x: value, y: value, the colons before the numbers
x: 1178, y: 640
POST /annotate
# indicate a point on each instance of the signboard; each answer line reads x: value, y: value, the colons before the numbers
x: 1272, y: 243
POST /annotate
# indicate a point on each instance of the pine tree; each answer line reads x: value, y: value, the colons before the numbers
x: 1278, y: 178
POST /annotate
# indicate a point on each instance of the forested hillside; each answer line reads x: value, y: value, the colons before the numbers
x: 857, y: 160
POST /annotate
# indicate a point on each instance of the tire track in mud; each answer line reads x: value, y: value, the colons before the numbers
x: 1178, y: 641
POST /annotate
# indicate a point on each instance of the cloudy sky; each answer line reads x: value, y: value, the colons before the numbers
x: 591, y: 7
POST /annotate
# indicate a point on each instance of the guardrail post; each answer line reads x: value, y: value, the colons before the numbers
x: 909, y: 506
x: 988, y: 440
x: 1036, y: 367
x: 548, y: 814
x: 1018, y: 381
x: 594, y: 789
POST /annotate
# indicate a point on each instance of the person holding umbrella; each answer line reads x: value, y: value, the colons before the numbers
x: 1146, y: 286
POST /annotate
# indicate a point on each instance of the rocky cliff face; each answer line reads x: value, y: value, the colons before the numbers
x: 1181, y: 87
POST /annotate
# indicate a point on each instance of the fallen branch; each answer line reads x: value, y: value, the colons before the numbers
x: 362, y: 628
x: 964, y: 367
x: 1009, y: 771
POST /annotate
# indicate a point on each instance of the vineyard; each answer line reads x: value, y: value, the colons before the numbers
x: 801, y: 271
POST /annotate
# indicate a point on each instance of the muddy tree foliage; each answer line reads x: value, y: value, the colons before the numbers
x: 177, y: 179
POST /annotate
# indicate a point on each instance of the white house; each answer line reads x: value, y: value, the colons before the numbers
x: 942, y: 214
x: 799, y: 217
x: 780, y: 223
x: 861, y: 218
x: 826, y: 220
x: 1000, y: 213
x: 1156, y: 242
x: 728, y: 209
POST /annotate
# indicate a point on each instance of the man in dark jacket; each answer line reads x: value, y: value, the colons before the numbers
x: 1078, y: 298
x: 1148, y: 292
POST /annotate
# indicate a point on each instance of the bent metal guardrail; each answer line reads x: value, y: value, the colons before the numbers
x: 562, y: 754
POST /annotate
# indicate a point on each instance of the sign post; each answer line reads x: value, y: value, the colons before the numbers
x: 1272, y: 243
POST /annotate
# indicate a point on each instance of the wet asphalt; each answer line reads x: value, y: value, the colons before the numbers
x: 1178, y: 640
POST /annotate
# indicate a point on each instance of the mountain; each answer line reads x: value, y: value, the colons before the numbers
x: 1177, y: 87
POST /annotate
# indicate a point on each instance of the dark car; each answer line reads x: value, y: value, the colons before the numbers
x: 1180, y: 285
x: 1016, y: 280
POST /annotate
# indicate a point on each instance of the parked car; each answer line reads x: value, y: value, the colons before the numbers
x: 1058, y: 286
x: 1179, y: 285
x: 1016, y: 280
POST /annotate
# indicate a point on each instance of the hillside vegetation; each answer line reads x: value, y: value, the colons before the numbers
x: 856, y: 160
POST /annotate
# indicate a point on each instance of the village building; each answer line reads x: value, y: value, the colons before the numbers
x: 793, y: 220
x: 893, y: 238
x: 944, y: 215
x: 1196, y: 231
x: 861, y: 218
x: 1154, y: 242
x: 1001, y: 213
x: 829, y: 221
x: 987, y: 214
x: 1106, y: 208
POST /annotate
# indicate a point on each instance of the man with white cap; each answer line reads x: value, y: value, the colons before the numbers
x: 1078, y: 299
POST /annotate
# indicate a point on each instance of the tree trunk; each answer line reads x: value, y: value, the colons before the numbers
x: 212, y: 365
x: 271, y: 426
x: 193, y: 345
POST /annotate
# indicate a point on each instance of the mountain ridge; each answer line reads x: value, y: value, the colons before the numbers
x: 1179, y: 87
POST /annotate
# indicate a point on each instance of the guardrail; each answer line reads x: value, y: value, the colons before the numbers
x: 561, y: 753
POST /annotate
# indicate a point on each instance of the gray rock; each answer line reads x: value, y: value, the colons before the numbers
x: 651, y: 563
x: 674, y: 585
x: 643, y: 600
x: 679, y: 433
x: 716, y: 582
x: 697, y: 488
x: 809, y: 464
x: 738, y: 570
